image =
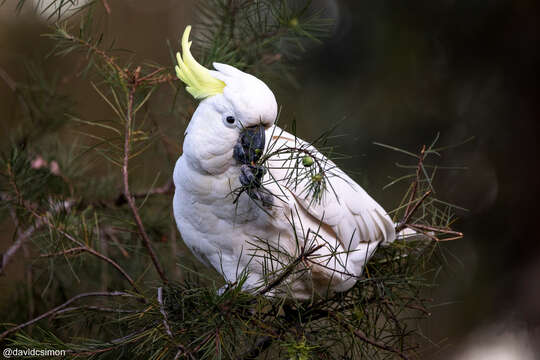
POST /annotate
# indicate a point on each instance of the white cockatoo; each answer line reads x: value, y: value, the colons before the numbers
x: 262, y: 230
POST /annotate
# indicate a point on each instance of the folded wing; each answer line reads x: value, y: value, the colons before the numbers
x: 344, y: 210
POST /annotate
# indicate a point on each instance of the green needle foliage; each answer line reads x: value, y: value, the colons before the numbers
x: 104, y: 279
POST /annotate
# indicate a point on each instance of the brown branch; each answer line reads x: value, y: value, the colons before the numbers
x: 109, y: 231
x: 377, y: 344
x: 425, y: 228
x: 437, y: 229
x: 403, y: 224
x: 8, y: 80
x: 21, y: 239
x: 112, y: 262
x: 415, y: 184
x: 206, y: 339
x: 83, y: 247
x: 166, y: 189
x: 290, y: 268
x: 125, y: 174
x: 95, y: 308
x: 106, y: 6
x: 362, y: 336
x: 61, y: 307
x: 411, y: 209
x: 25, y: 236
x: 117, y: 342
x: 181, y: 349
x: 71, y: 251
x: 162, y: 311
x: 167, y: 78
x: 314, y: 313
x: 42, y: 220
x: 108, y: 59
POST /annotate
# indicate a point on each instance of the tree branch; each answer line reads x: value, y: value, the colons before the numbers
x: 125, y: 175
x: 83, y: 247
x: 359, y: 334
x: 166, y: 189
x: 60, y: 307
x: 162, y: 311
x: 21, y: 239
x: 403, y: 224
x: 303, y: 256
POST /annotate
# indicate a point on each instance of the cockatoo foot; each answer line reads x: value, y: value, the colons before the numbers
x: 251, y: 175
x: 250, y: 178
x: 247, y: 151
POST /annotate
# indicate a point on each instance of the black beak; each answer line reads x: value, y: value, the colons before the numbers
x: 250, y: 145
x: 247, y: 151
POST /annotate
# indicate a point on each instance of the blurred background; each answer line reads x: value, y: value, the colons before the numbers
x: 395, y: 72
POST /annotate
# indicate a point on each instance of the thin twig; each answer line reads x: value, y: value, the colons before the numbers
x: 44, y: 219
x: 166, y: 189
x: 110, y: 232
x: 362, y: 336
x: 106, y: 6
x: 162, y: 311
x: 125, y: 174
x: 8, y: 80
x: 411, y: 209
x: 403, y: 224
x: 301, y: 258
x: 108, y: 59
x: 415, y: 184
x: 21, y: 239
x: 83, y: 247
x: 60, y: 307
x: 437, y: 229
x: 116, y: 342
x: 377, y: 344
x: 95, y: 308
x: 181, y: 348
x: 71, y: 251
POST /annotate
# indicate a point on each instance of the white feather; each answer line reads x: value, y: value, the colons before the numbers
x: 229, y: 236
x: 219, y: 232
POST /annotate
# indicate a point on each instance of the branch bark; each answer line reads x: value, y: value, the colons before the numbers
x: 21, y: 239
x: 303, y: 256
x: 125, y: 174
x: 25, y: 236
x: 61, y: 307
x: 359, y: 334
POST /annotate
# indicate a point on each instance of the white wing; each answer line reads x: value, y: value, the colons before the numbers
x: 346, y: 213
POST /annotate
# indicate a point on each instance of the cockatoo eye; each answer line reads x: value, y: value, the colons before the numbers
x: 230, y: 120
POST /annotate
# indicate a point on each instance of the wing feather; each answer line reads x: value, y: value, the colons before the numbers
x: 347, y: 209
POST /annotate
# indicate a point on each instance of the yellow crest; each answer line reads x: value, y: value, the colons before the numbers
x: 199, y: 82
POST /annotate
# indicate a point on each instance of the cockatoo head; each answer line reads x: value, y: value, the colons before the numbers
x: 232, y: 100
x: 245, y: 98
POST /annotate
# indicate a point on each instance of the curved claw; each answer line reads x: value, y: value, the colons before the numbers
x: 247, y: 178
x: 251, y: 175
